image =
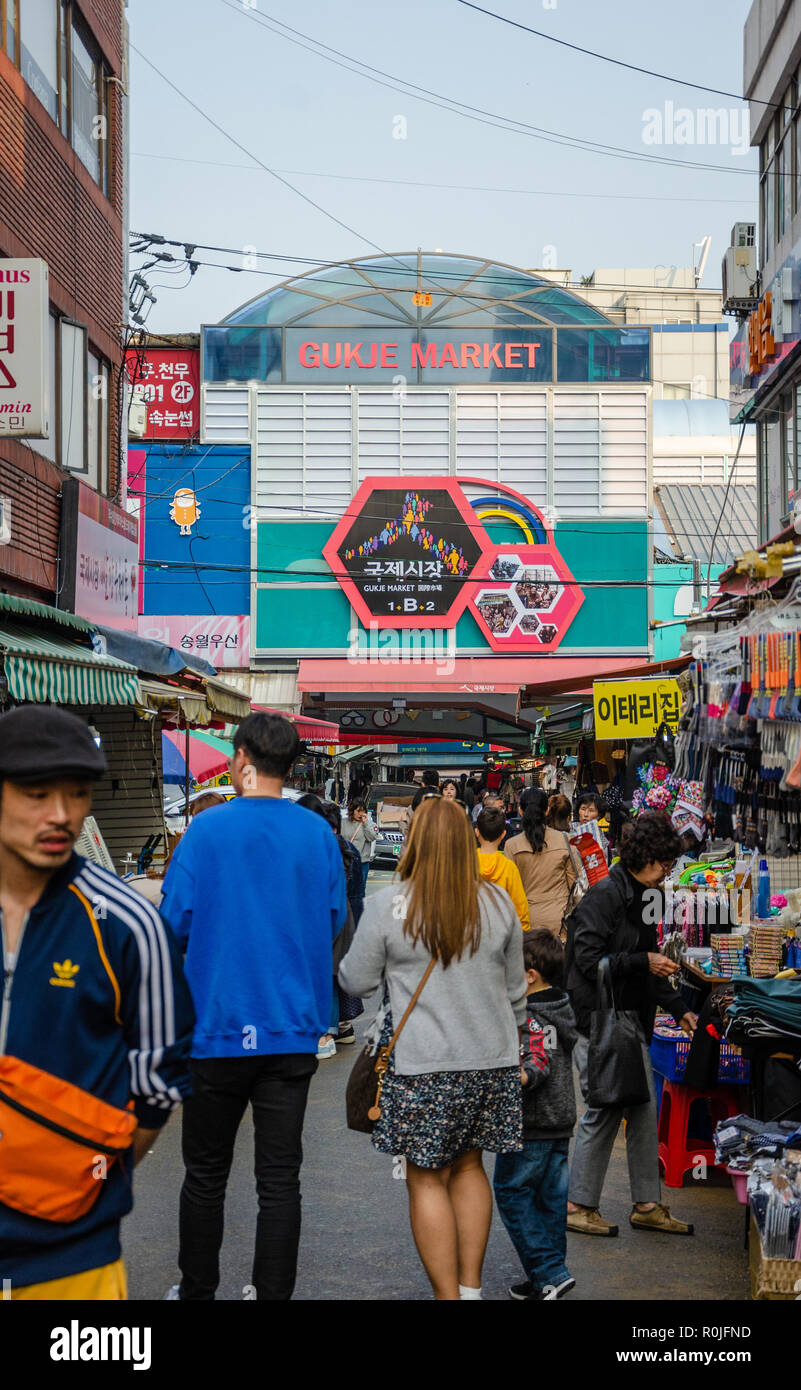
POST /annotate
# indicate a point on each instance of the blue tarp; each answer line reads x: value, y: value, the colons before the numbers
x: 155, y: 658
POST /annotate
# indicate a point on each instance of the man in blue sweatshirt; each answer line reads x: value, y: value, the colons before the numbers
x: 255, y: 894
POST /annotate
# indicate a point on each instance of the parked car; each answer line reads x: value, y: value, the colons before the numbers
x: 175, y: 809
x: 389, y: 803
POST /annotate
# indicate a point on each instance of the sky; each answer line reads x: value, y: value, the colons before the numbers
x: 402, y: 173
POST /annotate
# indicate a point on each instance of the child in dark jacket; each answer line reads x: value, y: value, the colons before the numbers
x: 531, y: 1187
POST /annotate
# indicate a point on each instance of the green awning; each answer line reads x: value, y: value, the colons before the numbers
x: 64, y: 673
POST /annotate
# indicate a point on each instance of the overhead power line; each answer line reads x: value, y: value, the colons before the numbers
x: 460, y: 108
x: 617, y: 62
x: 445, y: 187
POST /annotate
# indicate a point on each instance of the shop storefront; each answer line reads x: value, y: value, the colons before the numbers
x: 450, y: 489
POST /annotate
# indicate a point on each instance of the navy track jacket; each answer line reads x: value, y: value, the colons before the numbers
x: 97, y: 996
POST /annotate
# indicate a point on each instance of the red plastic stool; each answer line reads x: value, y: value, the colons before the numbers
x: 678, y: 1152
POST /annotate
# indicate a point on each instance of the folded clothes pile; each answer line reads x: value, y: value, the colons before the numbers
x: 728, y: 954
x: 774, y: 1192
x: 764, y: 1009
x: 740, y: 1139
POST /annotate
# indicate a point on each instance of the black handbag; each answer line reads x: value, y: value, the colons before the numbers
x: 616, y: 1066
x: 366, y: 1081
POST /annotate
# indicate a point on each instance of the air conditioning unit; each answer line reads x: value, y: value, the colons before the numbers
x: 137, y: 412
x: 740, y: 273
x: 137, y: 420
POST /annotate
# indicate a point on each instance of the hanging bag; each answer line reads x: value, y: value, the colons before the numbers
x: 366, y: 1081
x: 616, y: 1066
x: 57, y: 1142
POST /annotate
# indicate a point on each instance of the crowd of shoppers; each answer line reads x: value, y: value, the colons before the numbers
x: 265, y: 900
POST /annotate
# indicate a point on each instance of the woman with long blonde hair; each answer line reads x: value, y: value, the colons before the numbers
x: 453, y: 1085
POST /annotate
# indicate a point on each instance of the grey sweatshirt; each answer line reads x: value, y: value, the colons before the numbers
x: 467, y: 1017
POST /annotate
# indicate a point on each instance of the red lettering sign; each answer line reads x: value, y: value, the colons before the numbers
x: 167, y: 382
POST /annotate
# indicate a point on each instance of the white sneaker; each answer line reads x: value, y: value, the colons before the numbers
x: 551, y: 1292
x: 173, y: 1294
x: 326, y: 1049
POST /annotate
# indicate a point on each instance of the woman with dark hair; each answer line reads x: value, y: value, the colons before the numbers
x: 546, y: 865
x: 453, y: 1084
x: 617, y: 920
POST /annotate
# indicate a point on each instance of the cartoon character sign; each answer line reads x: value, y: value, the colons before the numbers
x: 185, y: 510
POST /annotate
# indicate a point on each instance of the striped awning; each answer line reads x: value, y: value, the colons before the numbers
x: 223, y: 699
x: 40, y: 669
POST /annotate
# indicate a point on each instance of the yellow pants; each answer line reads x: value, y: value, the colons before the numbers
x: 108, y: 1283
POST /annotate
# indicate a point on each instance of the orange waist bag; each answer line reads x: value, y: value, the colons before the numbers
x: 57, y: 1142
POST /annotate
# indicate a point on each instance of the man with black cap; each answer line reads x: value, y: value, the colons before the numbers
x: 95, y: 1024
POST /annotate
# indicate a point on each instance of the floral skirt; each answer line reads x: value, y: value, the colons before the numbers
x: 434, y: 1118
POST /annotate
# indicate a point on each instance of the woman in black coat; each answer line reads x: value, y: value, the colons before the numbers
x: 617, y: 919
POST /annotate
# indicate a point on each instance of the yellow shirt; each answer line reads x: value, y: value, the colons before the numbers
x: 498, y: 869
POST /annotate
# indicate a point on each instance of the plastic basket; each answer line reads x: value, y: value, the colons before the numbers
x: 669, y: 1058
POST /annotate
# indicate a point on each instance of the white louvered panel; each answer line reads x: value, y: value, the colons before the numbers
x: 477, y: 434
x: 524, y: 444
x: 379, y: 433
x: 303, y: 453
x: 279, y: 454
x: 425, y: 432
x: 403, y: 432
x: 224, y: 414
x: 624, y: 452
x: 576, y: 453
x: 327, y: 450
x: 686, y: 470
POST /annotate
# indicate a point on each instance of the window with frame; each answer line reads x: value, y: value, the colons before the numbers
x: 88, y: 116
x: 9, y: 29
x: 39, y: 50
x: 64, y: 68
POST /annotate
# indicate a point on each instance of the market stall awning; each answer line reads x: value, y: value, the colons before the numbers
x: 190, y: 705
x: 41, y: 669
x: 469, y: 675
x: 223, y: 699
x: 315, y: 730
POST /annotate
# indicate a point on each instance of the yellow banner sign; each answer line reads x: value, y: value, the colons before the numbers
x: 635, y: 709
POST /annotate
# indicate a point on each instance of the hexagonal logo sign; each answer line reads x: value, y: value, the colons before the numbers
x: 408, y: 552
x: 528, y: 599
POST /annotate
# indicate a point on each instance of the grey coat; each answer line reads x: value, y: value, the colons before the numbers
x: 467, y: 1016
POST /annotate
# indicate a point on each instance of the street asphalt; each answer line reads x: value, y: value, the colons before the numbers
x: 356, y: 1243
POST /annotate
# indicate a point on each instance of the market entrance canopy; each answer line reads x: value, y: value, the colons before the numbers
x: 428, y: 317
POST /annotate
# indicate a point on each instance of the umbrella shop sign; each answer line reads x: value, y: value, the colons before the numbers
x: 635, y: 709
x: 224, y: 641
x: 99, y: 547
x: 24, y: 349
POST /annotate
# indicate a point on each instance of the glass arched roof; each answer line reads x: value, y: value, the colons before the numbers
x: 465, y: 291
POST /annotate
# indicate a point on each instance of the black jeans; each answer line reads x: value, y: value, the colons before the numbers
x: 277, y: 1087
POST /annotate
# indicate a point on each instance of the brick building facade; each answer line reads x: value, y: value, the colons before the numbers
x: 62, y: 180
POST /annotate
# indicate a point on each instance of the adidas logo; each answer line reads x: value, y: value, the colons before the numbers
x: 64, y: 974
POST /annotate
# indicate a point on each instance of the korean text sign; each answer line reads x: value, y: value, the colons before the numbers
x: 166, y: 381
x: 635, y: 709
x: 24, y: 349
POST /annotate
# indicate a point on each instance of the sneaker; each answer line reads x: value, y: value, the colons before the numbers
x: 346, y: 1034
x: 589, y: 1222
x: 550, y: 1292
x: 173, y: 1294
x: 525, y: 1293
x: 660, y: 1219
x: 326, y: 1048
